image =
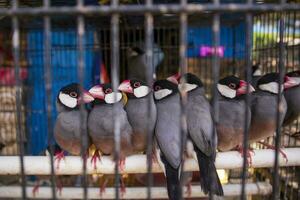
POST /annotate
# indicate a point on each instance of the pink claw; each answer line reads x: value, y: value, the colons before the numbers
x: 59, y: 156
x: 273, y: 147
x: 103, y: 187
x: 240, y: 149
x: 122, y: 164
x: 95, y: 157
x: 35, y: 189
x: 189, y: 188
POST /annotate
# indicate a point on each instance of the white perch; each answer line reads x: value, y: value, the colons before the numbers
x: 260, y: 188
x: 72, y: 165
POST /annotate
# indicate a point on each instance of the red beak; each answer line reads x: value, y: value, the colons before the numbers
x: 289, y: 82
x: 97, y: 92
x: 174, y: 78
x: 125, y: 87
x: 243, y: 88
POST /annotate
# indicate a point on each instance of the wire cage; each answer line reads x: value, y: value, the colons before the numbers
x: 48, y: 44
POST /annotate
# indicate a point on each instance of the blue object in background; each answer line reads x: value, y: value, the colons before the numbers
x: 231, y: 37
x: 64, y: 58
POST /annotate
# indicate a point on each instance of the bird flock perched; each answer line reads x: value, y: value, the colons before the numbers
x: 131, y: 103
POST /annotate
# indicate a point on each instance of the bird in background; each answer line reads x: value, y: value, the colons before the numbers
x: 101, y: 125
x: 168, y: 133
x: 256, y: 74
x: 292, y: 96
x: 264, y: 109
x: 137, y: 61
x: 201, y: 132
x: 232, y: 107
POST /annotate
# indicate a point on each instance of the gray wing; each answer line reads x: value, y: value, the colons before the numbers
x: 167, y: 130
x: 200, y: 124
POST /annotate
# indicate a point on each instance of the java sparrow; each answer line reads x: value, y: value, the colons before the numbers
x: 101, y: 122
x: 168, y: 133
x: 136, y: 61
x: 68, y: 125
x: 200, y: 130
x: 256, y: 74
x: 137, y: 112
x: 232, y: 106
x: 264, y: 108
x: 292, y: 96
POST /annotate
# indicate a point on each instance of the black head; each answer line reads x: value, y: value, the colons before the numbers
x: 192, y: 79
x: 135, y: 51
x: 70, y: 97
x: 163, y: 89
x: 294, y: 74
x: 232, y: 87
x: 269, y: 83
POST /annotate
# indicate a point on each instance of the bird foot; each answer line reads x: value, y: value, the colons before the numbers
x: 122, y: 164
x: 273, y: 148
x: 240, y: 149
x: 154, y: 158
x: 35, y: 189
x: 58, y: 157
x: 59, y: 187
x: 189, y: 189
x: 103, y: 187
x: 122, y: 188
x: 96, y: 156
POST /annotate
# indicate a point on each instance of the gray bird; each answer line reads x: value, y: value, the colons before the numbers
x: 137, y: 112
x: 264, y: 108
x: 256, y: 74
x: 232, y: 106
x: 101, y: 122
x: 68, y: 125
x: 168, y: 133
x: 200, y: 129
x: 137, y: 64
x: 292, y: 96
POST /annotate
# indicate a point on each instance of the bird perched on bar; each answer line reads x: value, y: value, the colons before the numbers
x: 292, y: 96
x: 140, y: 99
x: 168, y: 133
x: 137, y: 63
x: 71, y: 121
x: 232, y: 107
x: 201, y: 132
x: 264, y: 108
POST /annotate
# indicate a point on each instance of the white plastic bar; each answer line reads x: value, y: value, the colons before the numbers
x: 72, y: 165
x: 259, y: 188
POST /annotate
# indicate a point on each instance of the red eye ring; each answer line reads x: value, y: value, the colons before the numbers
x: 108, y: 91
x: 73, y: 94
x: 137, y: 84
x: 156, y: 88
x: 232, y: 85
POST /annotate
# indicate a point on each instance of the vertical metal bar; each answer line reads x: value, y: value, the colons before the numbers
x: 249, y: 26
x: 48, y: 81
x: 16, y: 58
x: 81, y: 74
x: 149, y: 78
x: 276, y: 192
x: 215, y: 72
x: 115, y: 81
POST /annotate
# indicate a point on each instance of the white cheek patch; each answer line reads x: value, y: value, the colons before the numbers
x: 257, y: 73
x: 297, y: 80
x: 162, y: 93
x: 187, y: 87
x: 226, y: 91
x: 68, y: 101
x: 141, y: 91
x: 110, y: 98
x: 270, y: 87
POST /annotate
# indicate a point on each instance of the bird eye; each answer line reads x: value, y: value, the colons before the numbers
x: 156, y: 88
x: 137, y: 84
x: 232, y: 85
x: 108, y: 90
x: 73, y: 94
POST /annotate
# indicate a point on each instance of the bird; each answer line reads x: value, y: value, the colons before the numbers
x: 101, y: 124
x: 264, y: 109
x: 168, y: 133
x: 201, y: 132
x: 232, y: 107
x: 137, y: 63
x: 256, y: 74
x: 292, y: 96
x: 137, y: 112
x: 68, y: 126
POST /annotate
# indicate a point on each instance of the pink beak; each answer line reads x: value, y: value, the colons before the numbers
x: 86, y: 97
x: 125, y: 87
x: 97, y: 92
x: 289, y: 82
x: 243, y: 88
x: 174, y: 78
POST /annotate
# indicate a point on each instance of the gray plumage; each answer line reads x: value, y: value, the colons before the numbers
x: 167, y: 129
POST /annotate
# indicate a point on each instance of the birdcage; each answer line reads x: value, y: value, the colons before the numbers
x: 48, y: 44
